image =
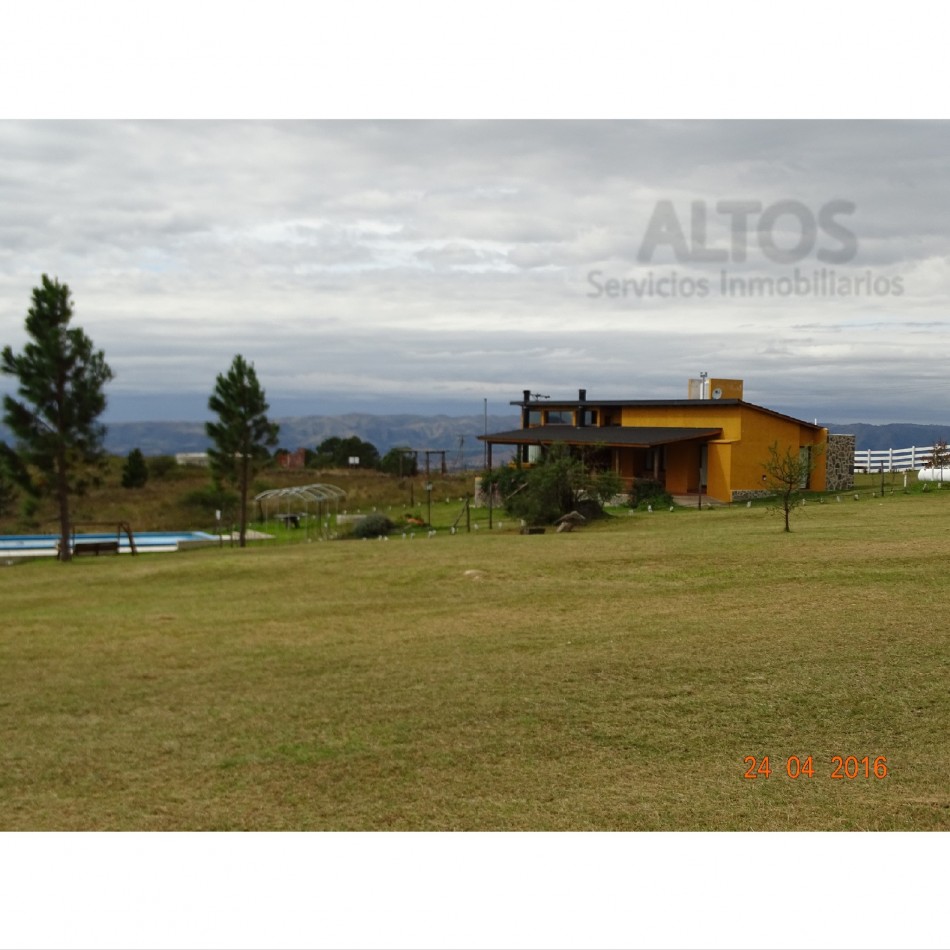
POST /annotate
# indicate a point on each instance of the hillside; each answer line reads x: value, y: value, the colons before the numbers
x: 451, y: 433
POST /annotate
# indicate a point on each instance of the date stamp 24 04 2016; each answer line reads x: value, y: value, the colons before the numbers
x: 841, y: 767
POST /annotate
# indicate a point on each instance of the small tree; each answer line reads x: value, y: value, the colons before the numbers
x: 160, y: 466
x: 55, y: 421
x: 604, y: 486
x: 399, y: 461
x: 135, y: 471
x: 786, y: 473
x: 551, y: 487
x: 243, y: 433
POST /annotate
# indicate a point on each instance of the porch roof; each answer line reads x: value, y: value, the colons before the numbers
x: 634, y: 436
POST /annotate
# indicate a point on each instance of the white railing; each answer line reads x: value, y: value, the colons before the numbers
x: 892, y: 460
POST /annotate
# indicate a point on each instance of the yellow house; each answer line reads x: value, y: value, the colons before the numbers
x: 712, y: 443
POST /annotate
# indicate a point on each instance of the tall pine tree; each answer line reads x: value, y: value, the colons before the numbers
x: 8, y: 492
x: 242, y: 434
x: 61, y: 382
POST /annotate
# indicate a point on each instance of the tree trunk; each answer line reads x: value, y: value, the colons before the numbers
x: 244, y: 480
x: 62, y: 495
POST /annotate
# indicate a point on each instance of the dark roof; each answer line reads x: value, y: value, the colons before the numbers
x: 600, y: 403
x: 710, y: 404
x: 642, y: 436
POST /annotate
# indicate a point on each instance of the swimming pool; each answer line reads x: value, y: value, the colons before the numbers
x: 146, y: 542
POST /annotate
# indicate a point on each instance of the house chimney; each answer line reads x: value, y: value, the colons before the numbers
x: 580, y: 418
x: 525, y: 411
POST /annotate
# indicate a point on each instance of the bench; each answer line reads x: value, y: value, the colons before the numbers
x: 95, y: 547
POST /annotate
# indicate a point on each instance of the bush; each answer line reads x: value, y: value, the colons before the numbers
x: 604, y: 486
x: 372, y: 526
x: 336, y: 452
x: 161, y: 466
x: 646, y: 492
x: 552, y: 487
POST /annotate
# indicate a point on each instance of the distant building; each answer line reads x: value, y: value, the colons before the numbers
x: 292, y: 460
x: 713, y: 442
x: 193, y: 458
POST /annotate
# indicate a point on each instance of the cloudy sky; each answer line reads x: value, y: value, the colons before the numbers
x: 428, y: 265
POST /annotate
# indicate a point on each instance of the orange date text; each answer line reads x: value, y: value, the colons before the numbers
x: 840, y: 768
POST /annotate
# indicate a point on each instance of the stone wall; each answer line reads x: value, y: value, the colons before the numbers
x: 751, y: 494
x: 839, y: 462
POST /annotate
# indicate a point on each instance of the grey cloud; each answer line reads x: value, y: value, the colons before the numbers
x: 453, y: 256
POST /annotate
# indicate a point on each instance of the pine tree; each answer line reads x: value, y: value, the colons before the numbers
x: 135, y: 471
x: 8, y: 492
x: 242, y: 434
x: 61, y: 381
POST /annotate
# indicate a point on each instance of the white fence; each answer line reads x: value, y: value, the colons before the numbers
x: 892, y: 460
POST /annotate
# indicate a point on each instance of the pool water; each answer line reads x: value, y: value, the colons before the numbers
x: 146, y: 542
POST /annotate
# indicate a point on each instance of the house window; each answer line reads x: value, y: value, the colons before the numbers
x: 534, y: 417
x: 656, y: 460
x: 559, y: 417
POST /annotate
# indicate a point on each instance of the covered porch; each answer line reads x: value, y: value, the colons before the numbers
x: 674, y: 457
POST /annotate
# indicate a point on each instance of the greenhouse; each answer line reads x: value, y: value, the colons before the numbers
x: 300, y: 506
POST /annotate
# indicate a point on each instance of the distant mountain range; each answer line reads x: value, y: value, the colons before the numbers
x: 435, y: 432
x: 457, y: 435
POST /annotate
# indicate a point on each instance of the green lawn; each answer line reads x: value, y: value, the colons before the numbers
x: 613, y: 678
